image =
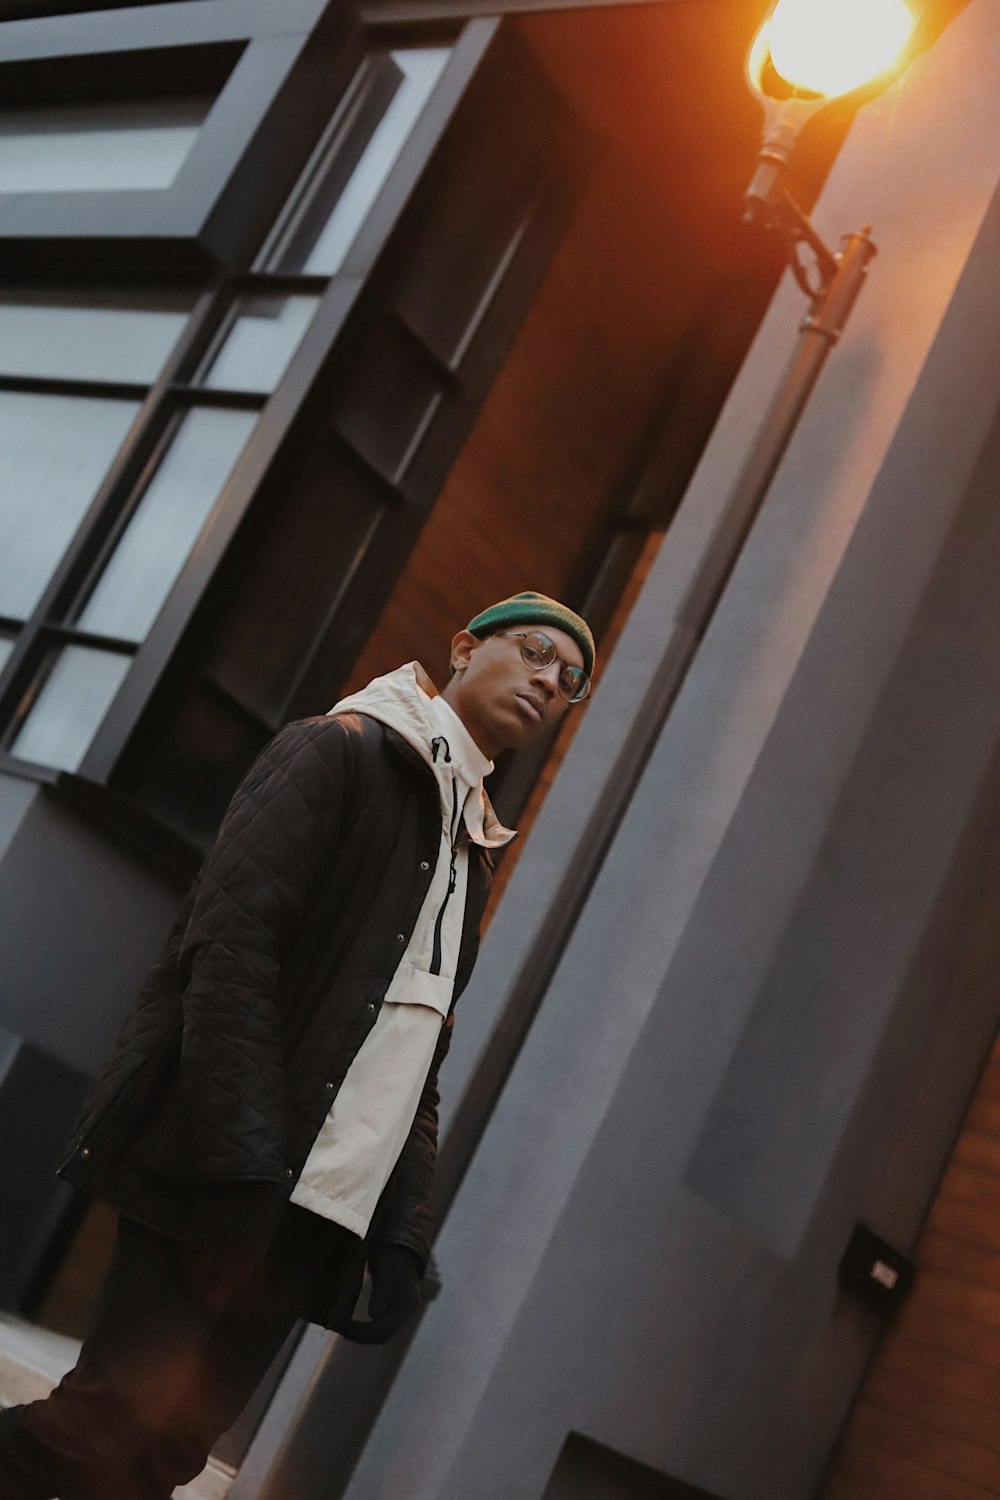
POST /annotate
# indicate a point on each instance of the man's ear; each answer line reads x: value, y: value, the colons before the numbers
x: 462, y: 646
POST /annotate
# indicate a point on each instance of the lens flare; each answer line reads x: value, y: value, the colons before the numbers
x: 832, y: 46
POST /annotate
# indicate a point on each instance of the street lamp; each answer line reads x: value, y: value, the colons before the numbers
x: 831, y: 49
x: 806, y: 53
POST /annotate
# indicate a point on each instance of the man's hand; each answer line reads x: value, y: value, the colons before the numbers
x: 395, y: 1275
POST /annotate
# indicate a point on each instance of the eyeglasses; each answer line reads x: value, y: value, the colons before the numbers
x: 538, y: 651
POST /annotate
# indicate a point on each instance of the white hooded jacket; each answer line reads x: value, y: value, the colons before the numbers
x: 362, y: 1136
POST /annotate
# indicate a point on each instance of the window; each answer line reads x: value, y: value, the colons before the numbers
x: 71, y: 704
x: 167, y: 523
x: 57, y: 446
x: 128, y: 143
x: 54, y: 453
x: 81, y: 589
x: 264, y: 333
x: 353, y: 164
x: 73, y: 686
x: 418, y: 71
x: 102, y: 336
x: 155, y: 123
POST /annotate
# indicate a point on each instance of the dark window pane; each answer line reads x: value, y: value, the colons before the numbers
x: 292, y: 579
x: 80, y: 336
x: 54, y: 453
x: 77, y: 148
x: 158, y: 539
x: 459, y: 256
x: 388, y: 400
x: 70, y: 706
x: 196, y: 764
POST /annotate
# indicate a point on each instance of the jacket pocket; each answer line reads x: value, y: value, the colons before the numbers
x: 419, y: 987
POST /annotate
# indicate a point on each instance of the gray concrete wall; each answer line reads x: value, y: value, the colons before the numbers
x: 82, y: 918
x: 769, y: 1018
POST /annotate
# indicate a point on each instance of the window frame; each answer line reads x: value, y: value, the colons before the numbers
x: 236, y: 148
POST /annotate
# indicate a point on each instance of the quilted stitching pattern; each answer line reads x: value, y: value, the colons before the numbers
x: 153, y: 1017
x: 252, y: 894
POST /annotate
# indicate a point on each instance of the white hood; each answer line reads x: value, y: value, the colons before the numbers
x: 399, y: 699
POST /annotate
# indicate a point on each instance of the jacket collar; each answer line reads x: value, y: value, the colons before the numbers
x: 398, y: 700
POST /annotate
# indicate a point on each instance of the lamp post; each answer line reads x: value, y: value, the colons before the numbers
x: 806, y: 53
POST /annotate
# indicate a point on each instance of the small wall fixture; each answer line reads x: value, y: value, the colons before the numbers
x: 874, y: 1269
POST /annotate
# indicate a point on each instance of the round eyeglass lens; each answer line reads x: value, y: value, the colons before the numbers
x: 539, y: 651
x: 574, y: 683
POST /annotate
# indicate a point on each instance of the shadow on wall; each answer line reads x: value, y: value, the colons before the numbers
x: 589, y: 1471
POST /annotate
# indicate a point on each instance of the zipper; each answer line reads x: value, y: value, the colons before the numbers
x: 452, y: 880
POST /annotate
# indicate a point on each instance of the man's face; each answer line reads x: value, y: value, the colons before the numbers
x: 504, y: 702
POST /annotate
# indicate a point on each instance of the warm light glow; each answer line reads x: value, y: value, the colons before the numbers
x: 832, y: 46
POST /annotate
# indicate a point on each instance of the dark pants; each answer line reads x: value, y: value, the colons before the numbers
x: 161, y: 1375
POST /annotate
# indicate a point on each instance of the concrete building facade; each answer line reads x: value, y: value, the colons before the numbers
x: 766, y: 1018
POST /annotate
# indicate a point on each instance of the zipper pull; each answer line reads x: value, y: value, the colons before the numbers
x: 453, y: 831
x: 452, y: 876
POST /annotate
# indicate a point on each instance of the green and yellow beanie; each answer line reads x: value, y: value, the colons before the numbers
x: 535, y: 609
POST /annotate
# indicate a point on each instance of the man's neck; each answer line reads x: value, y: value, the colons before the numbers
x: 484, y: 761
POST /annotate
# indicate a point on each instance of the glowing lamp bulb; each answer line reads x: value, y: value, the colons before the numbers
x: 832, y: 46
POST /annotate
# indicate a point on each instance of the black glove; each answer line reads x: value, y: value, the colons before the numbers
x: 232, y: 1226
x: 395, y: 1276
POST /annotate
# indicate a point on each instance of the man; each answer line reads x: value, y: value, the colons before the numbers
x: 266, y: 1123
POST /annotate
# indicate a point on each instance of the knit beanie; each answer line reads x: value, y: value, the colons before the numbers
x: 535, y: 609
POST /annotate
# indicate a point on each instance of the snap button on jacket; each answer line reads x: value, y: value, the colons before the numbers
x: 271, y: 978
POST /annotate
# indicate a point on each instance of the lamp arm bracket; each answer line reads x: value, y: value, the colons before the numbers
x: 798, y: 231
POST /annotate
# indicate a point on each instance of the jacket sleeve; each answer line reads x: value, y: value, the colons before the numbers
x: 273, y: 845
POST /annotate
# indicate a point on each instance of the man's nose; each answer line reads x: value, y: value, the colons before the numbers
x: 547, y: 677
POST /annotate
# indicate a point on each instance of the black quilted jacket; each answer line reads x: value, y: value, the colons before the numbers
x: 271, y: 978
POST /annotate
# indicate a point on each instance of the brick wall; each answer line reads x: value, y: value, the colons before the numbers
x: 926, y: 1425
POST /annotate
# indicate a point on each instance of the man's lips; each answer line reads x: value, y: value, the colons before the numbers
x: 533, y: 706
